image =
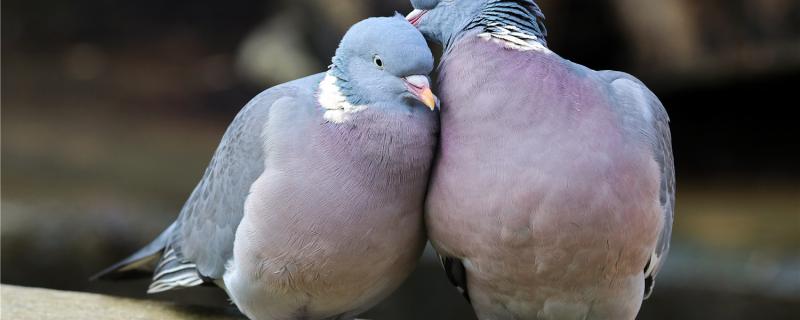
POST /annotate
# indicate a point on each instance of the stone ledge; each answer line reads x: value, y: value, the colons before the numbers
x: 21, y: 303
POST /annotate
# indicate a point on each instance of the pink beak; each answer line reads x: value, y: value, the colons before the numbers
x: 415, y: 16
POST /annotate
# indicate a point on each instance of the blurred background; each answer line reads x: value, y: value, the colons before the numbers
x: 112, y: 109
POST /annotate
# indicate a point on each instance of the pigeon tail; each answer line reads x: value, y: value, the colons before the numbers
x: 159, y: 259
x: 172, y: 273
x: 140, y: 264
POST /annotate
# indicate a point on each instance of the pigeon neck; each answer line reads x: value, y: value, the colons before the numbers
x: 516, y: 24
x: 334, y: 99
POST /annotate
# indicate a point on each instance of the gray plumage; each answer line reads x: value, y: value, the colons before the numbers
x: 311, y: 207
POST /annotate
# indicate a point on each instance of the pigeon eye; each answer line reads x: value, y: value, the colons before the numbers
x: 377, y: 61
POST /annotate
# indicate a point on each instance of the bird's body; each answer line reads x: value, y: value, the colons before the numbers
x: 550, y: 186
x: 311, y: 207
x: 339, y: 238
x: 551, y: 195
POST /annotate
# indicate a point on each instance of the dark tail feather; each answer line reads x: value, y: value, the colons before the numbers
x: 140, y: 264
x: 457, y: 274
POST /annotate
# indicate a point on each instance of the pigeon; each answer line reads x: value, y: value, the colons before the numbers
x: 553, y: 189
x: 312, y: 206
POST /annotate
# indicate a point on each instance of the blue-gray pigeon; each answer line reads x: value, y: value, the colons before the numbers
x: 552, y: 193
x: 312, y: 206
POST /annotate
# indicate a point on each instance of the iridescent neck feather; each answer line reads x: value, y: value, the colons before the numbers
x: 516, y: 24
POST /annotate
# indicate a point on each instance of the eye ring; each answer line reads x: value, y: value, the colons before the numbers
x: 376, y: 59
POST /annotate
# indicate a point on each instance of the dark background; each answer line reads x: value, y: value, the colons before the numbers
x: 112, y: 109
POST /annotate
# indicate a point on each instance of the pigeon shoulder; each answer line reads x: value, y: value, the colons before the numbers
x: 633, y: 96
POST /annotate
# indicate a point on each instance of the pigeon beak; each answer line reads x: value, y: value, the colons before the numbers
x: 415, y: 16
x: 420, y: 87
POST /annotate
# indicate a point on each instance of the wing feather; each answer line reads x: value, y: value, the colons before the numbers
x: 196, y: 248
x: 208, y: 220
x: 655, y: 127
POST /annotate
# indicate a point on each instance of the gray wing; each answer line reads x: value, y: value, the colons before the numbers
x: 202, y: 243
x: 202, y: 239
x: 648, y: 117
x: 196, y: 247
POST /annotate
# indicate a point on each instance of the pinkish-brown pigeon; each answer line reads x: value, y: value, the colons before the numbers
x: 552, y: 194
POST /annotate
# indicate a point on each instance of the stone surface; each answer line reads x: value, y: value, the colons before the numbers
x: 21, y: 303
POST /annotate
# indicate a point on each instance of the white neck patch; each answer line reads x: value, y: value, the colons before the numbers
x: 337, y: 108
x: 513, y: 38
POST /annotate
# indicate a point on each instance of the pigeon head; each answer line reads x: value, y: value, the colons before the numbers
x: 443, y: 21
x: 384, y: 62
